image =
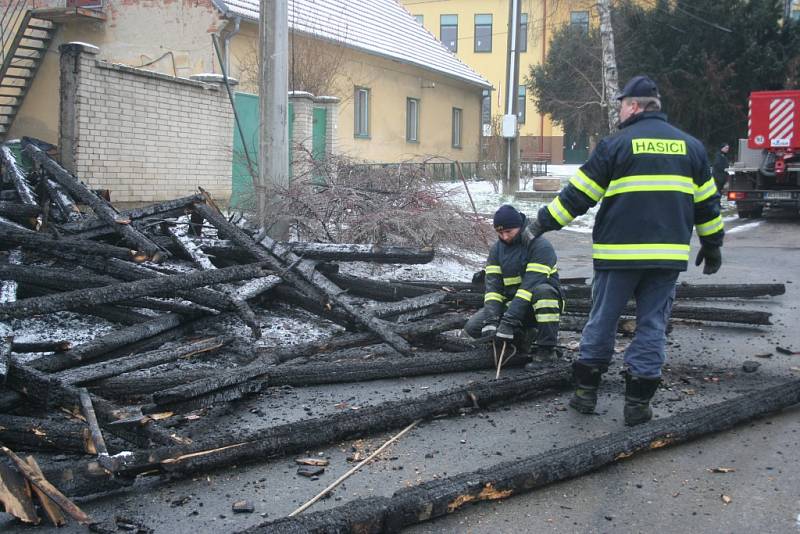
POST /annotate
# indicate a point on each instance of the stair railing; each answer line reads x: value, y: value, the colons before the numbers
x: 9, y: 25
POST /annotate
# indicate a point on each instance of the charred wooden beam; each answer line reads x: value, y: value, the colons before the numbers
x: 123, y: 386
x: 378, y: 289
x: 53, y: 277
x: 190, y: 249
x: 440, y: 497
x: 46, y: 391
x: 40, y: 346
x: 342, y: 252
x: 358, y: 252
x: 66, y: 205
x: 301, y: 274
x: 99, y: 346
x: 203, y: 296
x: 102, y: 208
x: 83, y: 478
x: 179, y: 205
x: 43, y: 244
x: 123, y: 291
x: 238, y: 447
x: 696, y: 313
x: 29, y: 433
x: 19, y: 211
x: 202, y: 261
x: 699, y: 291
x: 110, y: 313
x: 8, y: 286
x: 14, y: 174
x: 408, y: 305
x: 9, y: 225
x: 247, y: 379
x: 316, y: 373
x: 125, y: 364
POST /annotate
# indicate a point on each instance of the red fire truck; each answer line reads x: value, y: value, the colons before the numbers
x: 767, y: 173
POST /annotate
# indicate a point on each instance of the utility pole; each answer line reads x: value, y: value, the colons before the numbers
x: 273, y: 106
x: 610, y: 81
x: 510, y: 129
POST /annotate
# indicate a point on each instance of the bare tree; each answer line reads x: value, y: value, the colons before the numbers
x: 314, y: 66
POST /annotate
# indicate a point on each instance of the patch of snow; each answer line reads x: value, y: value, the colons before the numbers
x: 744, y: 227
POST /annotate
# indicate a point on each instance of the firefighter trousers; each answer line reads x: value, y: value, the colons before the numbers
x: 654, y: 291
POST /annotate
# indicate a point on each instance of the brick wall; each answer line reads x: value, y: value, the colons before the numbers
x: 143, y: 135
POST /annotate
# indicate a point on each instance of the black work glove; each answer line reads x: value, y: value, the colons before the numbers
x: 531, y: 231
x: 712, y: 257
x: 489, y: 328
x: 505, y: 331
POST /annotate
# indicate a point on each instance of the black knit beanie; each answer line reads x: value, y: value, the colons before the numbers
x: 507, y: 217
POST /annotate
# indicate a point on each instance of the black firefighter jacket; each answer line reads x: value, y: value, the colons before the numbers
x: 512, y: 273
x: 655, y: 184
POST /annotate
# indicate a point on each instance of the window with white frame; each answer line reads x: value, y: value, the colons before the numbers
x: 412, y: 120
x: 361, y: 112
x: 458, y: 115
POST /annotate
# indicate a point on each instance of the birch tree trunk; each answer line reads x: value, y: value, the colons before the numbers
x: 610, y: 82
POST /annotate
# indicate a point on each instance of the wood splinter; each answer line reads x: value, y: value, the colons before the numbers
x: 47, y: 488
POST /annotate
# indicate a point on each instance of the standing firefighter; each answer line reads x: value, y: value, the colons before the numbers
x: 718, y: 170
x: 522, y: 291
x: 655, y: 184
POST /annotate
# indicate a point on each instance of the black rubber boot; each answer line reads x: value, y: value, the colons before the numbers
x: 587, y: 380
x: 638, y: 392
x: 541, y: 358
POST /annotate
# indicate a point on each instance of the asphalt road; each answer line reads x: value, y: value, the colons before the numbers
x: 669, y: 490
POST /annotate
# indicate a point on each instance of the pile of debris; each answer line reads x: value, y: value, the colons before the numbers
x: 169, y: 276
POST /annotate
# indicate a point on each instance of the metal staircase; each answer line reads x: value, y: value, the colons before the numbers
x: 25, y: 40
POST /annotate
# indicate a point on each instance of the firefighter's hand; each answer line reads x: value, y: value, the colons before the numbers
x: 505, y: 331
x: 712, y: 256
x: 531, y: 231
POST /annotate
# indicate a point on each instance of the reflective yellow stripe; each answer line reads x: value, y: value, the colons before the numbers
x: 559, y: 212
x: 711, y: 227
x: 705, y: 191
x: 493, y: 269
x: 493, y: 296
x: 538, y: 268
x: 587, y: 186
x: 523, y: 294
x: 545, y: 303
x: 669, y: 147
x: 643, y: 251
x: 547, y: 317
x: 512, y: 281
x: 651, y: 182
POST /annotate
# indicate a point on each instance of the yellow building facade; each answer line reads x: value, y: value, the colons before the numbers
x: 476, y: 31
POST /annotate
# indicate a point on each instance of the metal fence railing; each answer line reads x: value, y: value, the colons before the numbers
x: 448, y: 171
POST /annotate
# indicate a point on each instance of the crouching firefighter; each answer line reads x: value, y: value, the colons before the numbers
x: 523, y: 293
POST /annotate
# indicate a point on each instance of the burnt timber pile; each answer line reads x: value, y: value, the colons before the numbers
x: 168, y: 280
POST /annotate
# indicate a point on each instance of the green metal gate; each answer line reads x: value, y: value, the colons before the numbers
x: 576, y: 148
x: 318, y: 140
x: 242, y: 192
